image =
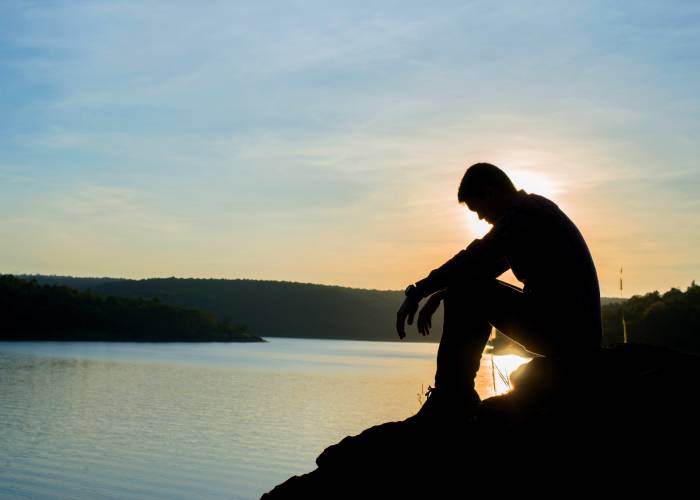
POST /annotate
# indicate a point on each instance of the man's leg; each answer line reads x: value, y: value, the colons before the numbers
x: 470, y: 312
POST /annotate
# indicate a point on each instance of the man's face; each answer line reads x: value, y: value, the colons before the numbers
x: 484, y: 207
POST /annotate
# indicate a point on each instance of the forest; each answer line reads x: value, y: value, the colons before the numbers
x: 305, y: 310
x: 670, y: 319
x: 34, y: 311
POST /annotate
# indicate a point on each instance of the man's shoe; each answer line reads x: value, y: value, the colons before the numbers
x: 444, y: 405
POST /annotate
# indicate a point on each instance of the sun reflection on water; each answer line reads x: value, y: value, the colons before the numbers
x: 502, y: 367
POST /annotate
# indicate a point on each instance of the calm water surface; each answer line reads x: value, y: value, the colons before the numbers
x: 132, y: 420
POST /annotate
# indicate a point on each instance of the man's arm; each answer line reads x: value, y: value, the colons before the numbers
x: 471, y: 262
x: 483, y: 258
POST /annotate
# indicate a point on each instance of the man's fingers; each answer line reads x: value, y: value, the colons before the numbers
x: 422, y: 325
x: 407, y: 312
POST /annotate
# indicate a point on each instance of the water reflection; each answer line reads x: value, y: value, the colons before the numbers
x: 502, y: 368
x: 85, y: 420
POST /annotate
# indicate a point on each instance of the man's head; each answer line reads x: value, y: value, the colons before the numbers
x: 486, y: 190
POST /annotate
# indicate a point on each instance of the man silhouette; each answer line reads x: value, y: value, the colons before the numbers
x: 556, y: 314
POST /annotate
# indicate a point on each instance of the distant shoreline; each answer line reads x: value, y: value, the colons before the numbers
x: 32, y: 311
x: 278, y: 309
x: 136, y: 341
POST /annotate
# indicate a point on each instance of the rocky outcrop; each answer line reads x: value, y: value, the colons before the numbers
x: 624, y: 417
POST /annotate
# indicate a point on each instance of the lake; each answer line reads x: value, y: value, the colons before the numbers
x: 210, y: 420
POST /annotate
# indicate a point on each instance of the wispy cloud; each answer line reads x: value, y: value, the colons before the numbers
x: 339, y: 131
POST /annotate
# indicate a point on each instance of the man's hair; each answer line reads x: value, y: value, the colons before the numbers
x: 480, y: 175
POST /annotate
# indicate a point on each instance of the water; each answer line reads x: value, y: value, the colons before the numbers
x: 132, y: 420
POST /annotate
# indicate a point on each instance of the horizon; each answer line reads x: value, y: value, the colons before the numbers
x: 324, y: 142
x: 285, y: 281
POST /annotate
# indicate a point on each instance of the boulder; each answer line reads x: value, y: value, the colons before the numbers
x: 620, y: 418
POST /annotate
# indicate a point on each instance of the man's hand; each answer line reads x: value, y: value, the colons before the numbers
x: 426, y: 313
x: 407, y: 309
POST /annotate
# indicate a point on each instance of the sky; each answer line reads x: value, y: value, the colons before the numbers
x: 323, y: 142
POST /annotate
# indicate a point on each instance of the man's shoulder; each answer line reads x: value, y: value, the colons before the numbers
x: 533, y: 202
x: 527, y: 213
x: 533, y: 198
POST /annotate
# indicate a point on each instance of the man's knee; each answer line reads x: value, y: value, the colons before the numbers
x: 474, y: 294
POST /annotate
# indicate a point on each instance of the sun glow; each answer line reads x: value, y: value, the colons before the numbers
x: 476, y: 227
x: 529, y: 180
x: 534, y: 182
x: 503, y: 366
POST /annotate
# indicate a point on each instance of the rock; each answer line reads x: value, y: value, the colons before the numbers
x: 623, y: 416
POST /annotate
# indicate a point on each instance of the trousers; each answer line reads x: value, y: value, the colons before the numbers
x: 471, y: 310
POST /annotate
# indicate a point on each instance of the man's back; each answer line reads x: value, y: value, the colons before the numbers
x: 548, y: 254
x: 545, y: 251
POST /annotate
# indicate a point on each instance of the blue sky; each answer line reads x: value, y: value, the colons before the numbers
x: 324, y: 141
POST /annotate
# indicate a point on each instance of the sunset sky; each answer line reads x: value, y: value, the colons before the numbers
x: 323, y: 142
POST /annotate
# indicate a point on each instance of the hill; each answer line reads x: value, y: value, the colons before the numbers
x: 619, y: 419
x: 277, y: 308
x: 671, y: 319
x: 305, y: 310
x: 31, y: 311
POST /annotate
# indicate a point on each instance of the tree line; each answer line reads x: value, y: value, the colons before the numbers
x: 34, y: 311
x: 305, y: 310
x: 671, y: 319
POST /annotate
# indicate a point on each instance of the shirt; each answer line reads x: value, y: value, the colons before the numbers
x: 546, y: 252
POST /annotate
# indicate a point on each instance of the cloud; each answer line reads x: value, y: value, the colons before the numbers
x: 345, y: 123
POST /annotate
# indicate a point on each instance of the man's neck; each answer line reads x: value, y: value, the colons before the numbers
x: 513, y: 198
x: 509, y: 201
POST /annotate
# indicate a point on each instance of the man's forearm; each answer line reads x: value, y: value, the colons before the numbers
x: 440, y: 278
x: 473, y: 261
x: 419, y: 293
x: 440, y: 294
x: 428, y: 286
